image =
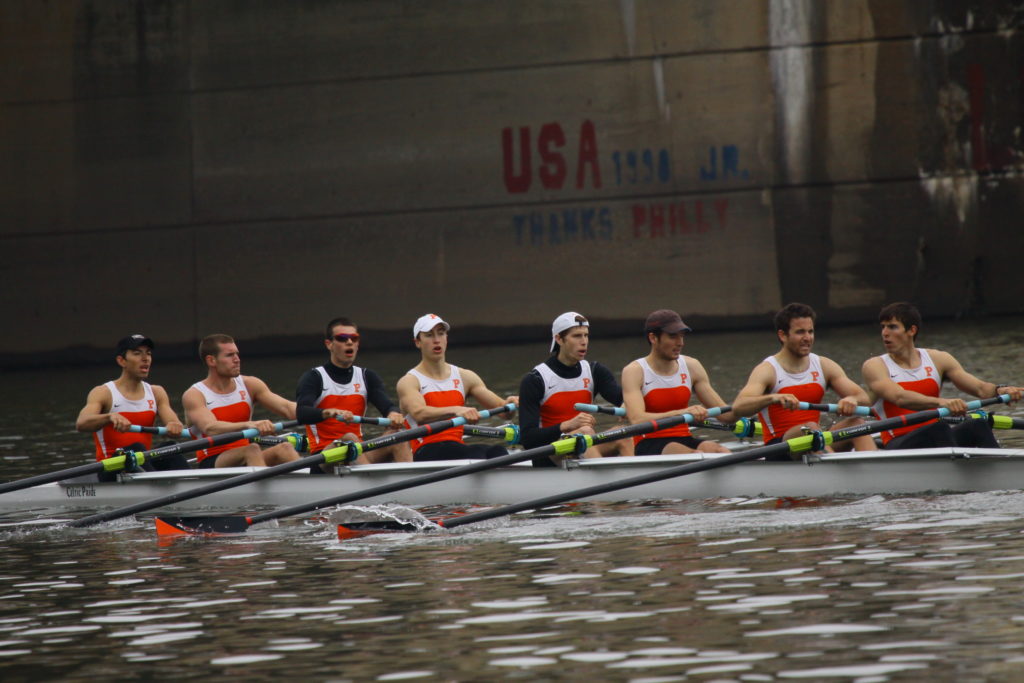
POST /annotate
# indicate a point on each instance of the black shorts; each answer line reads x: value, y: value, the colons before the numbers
x: 656, y: 446
x: 456, y: 450
x: 972, y: 433
x: 208, y: 463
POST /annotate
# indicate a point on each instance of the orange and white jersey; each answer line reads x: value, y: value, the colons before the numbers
x: 439, y: 393
x: 139, y: 412
x: 924, y: 379
x: 808, y: 386
x: 234, y: 406
x: 351, y: 397
x: 560, y: 394
x: 664, y: 393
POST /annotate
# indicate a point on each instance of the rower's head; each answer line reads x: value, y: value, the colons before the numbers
x: 899, y: 320
x: 135, y: 355
x: 341, y: 337
x: 570, y: 337
x: 666, y: 333
x: 430, y: 334
x: 219, y: 354
x: 794, y: 325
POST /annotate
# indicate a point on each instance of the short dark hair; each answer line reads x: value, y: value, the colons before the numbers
x: 210, y: 345
x: 329, y: 330
x: 790, y: 311
x: 903, y: 311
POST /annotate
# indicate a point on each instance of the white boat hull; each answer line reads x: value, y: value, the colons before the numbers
x: 928, y: 470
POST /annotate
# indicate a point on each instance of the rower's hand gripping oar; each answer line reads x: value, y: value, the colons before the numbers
x: 130, y: 459
x: 744, y: 427
x: 571, y: 445
x: 344, y: 453
x: 801, y: 444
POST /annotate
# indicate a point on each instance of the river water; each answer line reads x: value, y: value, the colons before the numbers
x: 742, y: 589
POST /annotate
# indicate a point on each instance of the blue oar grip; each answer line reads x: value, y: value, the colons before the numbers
x: 833, y: 408
x: 508, y: 407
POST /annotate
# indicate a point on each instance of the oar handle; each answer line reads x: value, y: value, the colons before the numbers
x: 360, y: 419
x: 149, y: 430
x: 592, y: 408
x: 832, y: 408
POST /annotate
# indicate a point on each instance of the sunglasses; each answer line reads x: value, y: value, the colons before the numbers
x: 346, y: 337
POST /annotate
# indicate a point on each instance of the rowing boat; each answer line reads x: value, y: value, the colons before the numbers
x: 864, y: 473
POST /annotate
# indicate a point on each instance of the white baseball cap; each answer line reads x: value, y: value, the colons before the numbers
x: 425, y: 323
x: 566, y: 321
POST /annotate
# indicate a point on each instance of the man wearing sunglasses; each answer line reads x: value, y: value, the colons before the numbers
x: 340, y: 389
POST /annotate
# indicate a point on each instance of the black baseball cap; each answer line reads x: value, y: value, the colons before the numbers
x: 133, y: 341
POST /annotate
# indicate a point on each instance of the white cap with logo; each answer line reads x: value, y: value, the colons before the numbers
x: 564, y: 322
x: 425, y: 323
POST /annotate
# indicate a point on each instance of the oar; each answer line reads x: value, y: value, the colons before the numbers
x: 152, y: 430
x: 743, y: 427
x: 117, y: 463
x: 343, y: 453
x: 800, y: 444
x: 236, y: 524
x: 508, y: 433
x: 833, y: 408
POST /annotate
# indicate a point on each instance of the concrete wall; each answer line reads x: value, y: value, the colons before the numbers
x: 258, y: 167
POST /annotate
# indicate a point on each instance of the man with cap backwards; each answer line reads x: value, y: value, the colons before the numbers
x: 660, y: 385
x: 794, y: 374
x: 435, y: 390
x: 549, y: 391
x: 112, y: 408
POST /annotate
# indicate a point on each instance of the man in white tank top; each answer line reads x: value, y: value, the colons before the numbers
x: 435, y: 390
x: 794, y: 374
x: 112, y: 408
x: 223, y: 402
x: 906, y: 379
x: 661, y: 384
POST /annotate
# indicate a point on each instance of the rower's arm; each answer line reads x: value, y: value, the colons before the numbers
x: 412, y: 403
x: 165, y: 412
x: 876, y: 377
x: 840, y: 383
x: 703, y: 390
x: 94, y: 416
x: 753, y: 397
x: 476, y: 388
x: 203, y: 418
x: 275, y: 403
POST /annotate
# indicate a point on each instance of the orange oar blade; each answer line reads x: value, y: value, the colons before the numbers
x: 200, y: 526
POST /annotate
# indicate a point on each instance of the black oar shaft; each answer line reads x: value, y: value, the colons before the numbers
x: 797, y: 445
x: 562, y: 447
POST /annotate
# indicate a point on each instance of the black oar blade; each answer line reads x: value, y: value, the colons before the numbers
x: 201, y: 526
x: 349, y: 530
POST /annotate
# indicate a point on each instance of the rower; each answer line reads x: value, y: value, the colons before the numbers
x: 906, y: 378
x: 660, y: 385
x: 780, y: 382
x: 113, y: 407
x: 223, y: 402
x: 435, y: 390
x: 548, y: 392
x: 341, y: 389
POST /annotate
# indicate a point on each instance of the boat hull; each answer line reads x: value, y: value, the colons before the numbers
x: 927, y: 470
